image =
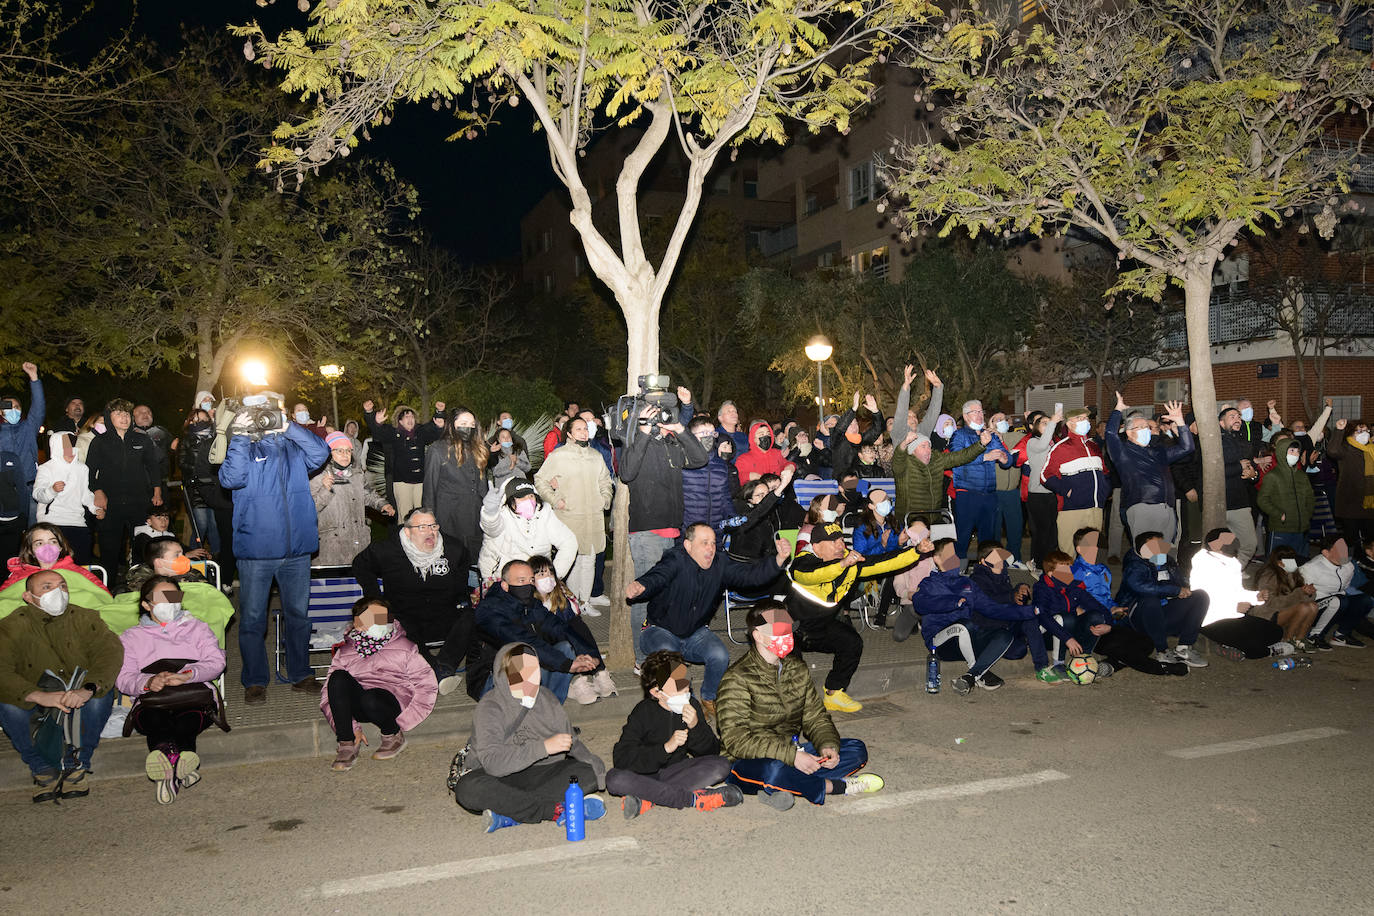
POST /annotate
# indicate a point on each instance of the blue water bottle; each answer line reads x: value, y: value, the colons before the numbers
x: 932, y: 673
x: 573, y: 819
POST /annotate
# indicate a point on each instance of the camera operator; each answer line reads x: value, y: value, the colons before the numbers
x: 268, y: 466
x: 652, y: 467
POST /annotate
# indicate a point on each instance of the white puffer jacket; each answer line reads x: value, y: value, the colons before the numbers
x: 510, y: 537
x: 67, y: 507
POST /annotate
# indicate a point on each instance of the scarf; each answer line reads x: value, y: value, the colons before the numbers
x: 425, y: 561
x: 365, y: 645
x: 1368, y: 465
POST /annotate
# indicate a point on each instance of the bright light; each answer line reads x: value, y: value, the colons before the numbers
x: 332, y: 372
x: 818, y: 349
x: 254, y: 372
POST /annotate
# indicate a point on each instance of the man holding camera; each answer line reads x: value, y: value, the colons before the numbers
x: 268, y: 465
x: 652, y: 468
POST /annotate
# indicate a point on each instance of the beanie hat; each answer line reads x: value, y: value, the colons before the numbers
x: 337, y: 439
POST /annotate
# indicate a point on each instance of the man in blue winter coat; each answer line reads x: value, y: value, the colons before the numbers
x: 975, y: 483
x: 19, y: 437
x: 275, y: 532
x: 1147, y: 486
x: 707, y: 492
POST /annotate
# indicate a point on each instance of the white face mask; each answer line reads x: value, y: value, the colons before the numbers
x: 947, y: 432
x: 527, y: 702
x: 545, y: 584
x: 679, y: 702
x: 976, y: 427
x: 378, y: 631
x: 165, y: 612
x: 1292, y: 459
x: 1003, y: 426
x: 1289, y: 565
x: 1142, y: 437
x: 1081, y: 427
x: 54, y: 601
x: 1362, y: 438
x: 827, y: 515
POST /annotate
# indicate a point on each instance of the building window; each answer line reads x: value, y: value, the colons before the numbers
x: 721, y: 183
x: 813, y: 204
x: 1347, y: 406
x: 872, y: 263
x: 860, y: 184
x: 825, y: 260
x: 751, y: 187
x: 546, y: 240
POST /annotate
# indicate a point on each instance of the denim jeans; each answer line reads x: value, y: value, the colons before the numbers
x: 1009, y: 514
x: 205, y: 529
x: 255, y: 588
x: 974, y: 509
x: 15, y: 721
x: 701, y: 648
x: 764, y: 774
x: 557, y: 682
x: 1294, y: 539
x: 646, y: 549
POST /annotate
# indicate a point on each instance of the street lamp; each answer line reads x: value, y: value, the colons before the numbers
x: 818, y: 350
x: 254, y: 372
x: 333, y: 372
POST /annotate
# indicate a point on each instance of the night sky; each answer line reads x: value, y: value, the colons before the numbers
x: 472, y: 193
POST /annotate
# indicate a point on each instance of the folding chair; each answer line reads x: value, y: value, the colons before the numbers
x: 102, y: 573
x: 737, y: 602
x: 333, y: 592
x: 209, y: 569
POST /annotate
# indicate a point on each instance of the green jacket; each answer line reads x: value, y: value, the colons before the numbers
x: 759, y: 708
x: 32, y: 641
x: 921, y: 487
x: 1286, y: 495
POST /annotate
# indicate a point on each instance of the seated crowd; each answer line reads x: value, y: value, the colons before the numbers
x: 489, y: 576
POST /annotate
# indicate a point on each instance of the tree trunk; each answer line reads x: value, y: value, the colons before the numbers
x: 1197, y: 288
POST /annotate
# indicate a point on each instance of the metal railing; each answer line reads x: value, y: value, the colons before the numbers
x: 1237, y: 316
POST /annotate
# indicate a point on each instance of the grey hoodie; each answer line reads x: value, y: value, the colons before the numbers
x: 500, y: 752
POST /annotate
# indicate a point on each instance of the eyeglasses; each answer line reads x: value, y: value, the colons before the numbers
x: 423, y: 527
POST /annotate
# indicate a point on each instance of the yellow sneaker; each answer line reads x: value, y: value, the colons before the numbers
x: 839, y: 701
x: 863, y: 784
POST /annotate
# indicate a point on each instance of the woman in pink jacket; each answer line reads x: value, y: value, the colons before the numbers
x: 166, y: 632
x: 377, y: 676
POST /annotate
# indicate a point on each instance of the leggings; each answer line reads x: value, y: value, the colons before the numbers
x: 1251, y: 635
x: 350, y: 702
x: 672, y: 786
x: 177, y: 727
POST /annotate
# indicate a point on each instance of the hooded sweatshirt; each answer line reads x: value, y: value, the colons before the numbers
x: 758, y: 461
x: 67, y: 508
x: 507, y: 738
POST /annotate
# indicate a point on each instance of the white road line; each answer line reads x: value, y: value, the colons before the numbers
x: 426, y: 874
x: 1250, y: 744
x: 943, y: 793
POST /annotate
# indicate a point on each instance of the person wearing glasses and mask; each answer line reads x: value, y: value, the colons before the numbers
x: 425, y: 578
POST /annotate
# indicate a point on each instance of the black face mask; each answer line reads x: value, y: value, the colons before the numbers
x: 765, y: 442
x: 463, y: 432
x: 523, y: 593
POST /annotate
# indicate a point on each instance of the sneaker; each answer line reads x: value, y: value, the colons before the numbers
x: 1017, y: 564
x: 1164, y: 656
x: 391, y: 746
x: 599, y: 601
x: 45, y: 786
x: 492, y: 822
x: 1348, y: 640
x: 346, y: 757
x: 963, y: 684
x: 1048, y: 675
x: 634, y: 806
x: 254, y: 696
x: 989, y: 681
x: 162, y: 771
x: 188, y: 769
x: 582, y: 691
x: 1105, y: 669
x: 863, y: 784
x: 587, y: 610
x: 1189, y: 656
x: 904, y: 624
x: 307, y: 685
x: 76, y: 783
x: 839, y: 701
x: 778, y: 799
x: 1319, y: 644
x: 1303, y: 644
x: 449, y: 683
x: 1231, y: 652
x: 593, y: 809
x: 636, y: 669
x: 721, y: 796
x: 602, y: 683
x: 1281, y: 648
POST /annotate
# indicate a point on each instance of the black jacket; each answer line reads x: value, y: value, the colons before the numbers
x: 125, y: 469
x: 1239, y: 491
x: 845, y: 454
x: 433, y: 597
x: 683, y: 597
x: 405, y: 454
x: 502, y: 618
x: 454, y: 491
x: 652, y: 468
x: 200, y: 479
x: 640, y: 748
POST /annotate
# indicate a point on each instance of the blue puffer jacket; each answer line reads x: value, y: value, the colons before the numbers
x: 1144, y: 471
x: 707, y: 493
x: 946, y: 598
x: 22, y: 438
x: 978, y: 475
x: 1054, y: 597
x: 1096, y: 578
x: 1141, y: 581
x: 274, y: 514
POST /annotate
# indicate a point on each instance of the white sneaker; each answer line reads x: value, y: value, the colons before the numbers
x: 602, y: 683
x: 586, y: 610
x: 600, y: 601
x: 1190, y: 657
x: 449, y: 684
x: 582, y: 691
x: 1281, y: 648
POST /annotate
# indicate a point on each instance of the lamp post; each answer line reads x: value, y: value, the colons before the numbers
x: 333, y: 372
x: 818, y: 350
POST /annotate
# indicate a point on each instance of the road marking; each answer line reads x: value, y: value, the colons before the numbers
x: 1250, y: 744
x: 943, y: 793
x: 426, y: 874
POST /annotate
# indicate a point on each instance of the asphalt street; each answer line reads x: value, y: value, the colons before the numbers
x: 1238, y: 789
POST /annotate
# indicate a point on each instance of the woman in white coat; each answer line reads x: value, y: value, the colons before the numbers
x: 62, y: 491
x: 517, y: 525
x: 574, y: 480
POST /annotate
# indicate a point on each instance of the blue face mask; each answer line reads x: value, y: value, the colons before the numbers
x: 12, y: 416
x: 1003, y: 426
x: 1142, y: 437
x: 1159, y: 559
x: 1247, y: 414
x: 976, y: 427
x: 507, y: 423
x: 302, y: 417
x: 883, y: 508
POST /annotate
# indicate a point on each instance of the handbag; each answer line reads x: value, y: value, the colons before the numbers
x: 177, y: 697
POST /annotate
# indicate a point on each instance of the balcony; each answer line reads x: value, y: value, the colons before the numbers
x: 784, y: 238
x: 1238, y: 316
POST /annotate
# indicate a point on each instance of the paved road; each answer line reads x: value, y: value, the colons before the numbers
x: 1060, y: 799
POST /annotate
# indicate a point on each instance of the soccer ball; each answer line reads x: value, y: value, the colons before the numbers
x: 1082, y: 669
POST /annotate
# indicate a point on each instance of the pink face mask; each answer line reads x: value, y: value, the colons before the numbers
x: 47, y: 554
x: 525, y: 508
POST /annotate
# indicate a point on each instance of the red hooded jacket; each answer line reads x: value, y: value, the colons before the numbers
x: 756, y: 462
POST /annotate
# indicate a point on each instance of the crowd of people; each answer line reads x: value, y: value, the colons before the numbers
x: 496, y: 561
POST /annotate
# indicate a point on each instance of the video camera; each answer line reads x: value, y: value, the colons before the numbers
x: 255, y: 416
x: 627, y: 420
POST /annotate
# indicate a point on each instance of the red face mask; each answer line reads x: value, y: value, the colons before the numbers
x: 781, y: 646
